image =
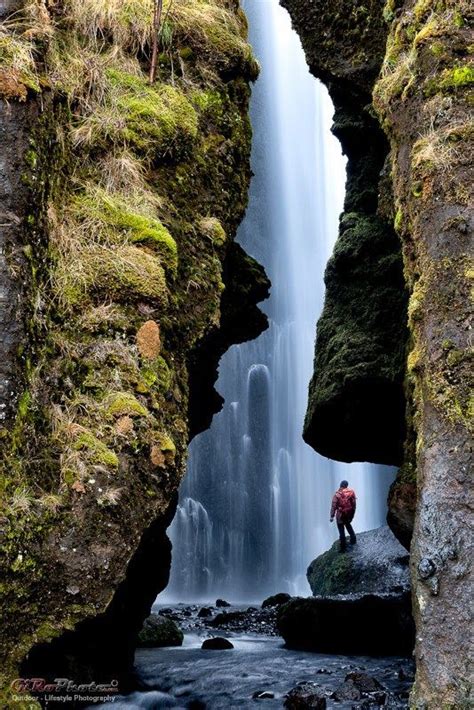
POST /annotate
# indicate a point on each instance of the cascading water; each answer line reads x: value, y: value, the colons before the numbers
x: 254, y: 505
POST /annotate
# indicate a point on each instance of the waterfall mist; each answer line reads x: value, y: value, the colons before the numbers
x: 254, y: 505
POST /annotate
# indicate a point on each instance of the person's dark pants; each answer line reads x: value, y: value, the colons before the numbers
x: 342, y: 527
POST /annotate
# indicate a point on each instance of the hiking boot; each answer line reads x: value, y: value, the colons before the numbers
x: 353, y: 541
x: 343, y: 549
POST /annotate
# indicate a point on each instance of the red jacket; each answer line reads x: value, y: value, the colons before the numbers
x: 343, y: 505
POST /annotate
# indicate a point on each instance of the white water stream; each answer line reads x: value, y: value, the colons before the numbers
x: 254, y: 505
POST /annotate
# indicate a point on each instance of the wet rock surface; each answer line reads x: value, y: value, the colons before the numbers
x: 260, y: 670
x: 217, y: 643
x: 276, y: 600
x: 158, y: 631
x: 16, y: 121
x: 221, y: 603
x: 356, y: 402
x: 236, y: 619
x: 376, y: 564
x: 358, y: 623
x: 305, y: 695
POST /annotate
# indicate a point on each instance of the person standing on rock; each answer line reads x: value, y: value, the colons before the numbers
x: 344, y: 507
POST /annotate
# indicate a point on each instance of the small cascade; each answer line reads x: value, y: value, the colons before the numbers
x: 254, y: 505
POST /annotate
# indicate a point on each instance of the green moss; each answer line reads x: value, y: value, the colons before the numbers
x: 398, y: 221
x: 458, y: 19
x: 331, y: 572
x: 388, y: 11
x: 119, y: 213
x: 155, y: 374
x: 165, y: 443
x: 118, y: 404
x: 450, y: 80
x: 24, y: 404
x: 156, y: 119
x: 96, y: 450
x: 210, y: 101
x: 124, y: 273
x: 164, y: 374
x: 159, y: 631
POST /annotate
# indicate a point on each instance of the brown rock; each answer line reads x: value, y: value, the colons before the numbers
x: 78, y: 487
x: 124, y: 425
x: 148, y: 340
x: 157, y: 456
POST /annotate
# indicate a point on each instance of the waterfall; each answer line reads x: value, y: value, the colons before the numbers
x: 254, y: 505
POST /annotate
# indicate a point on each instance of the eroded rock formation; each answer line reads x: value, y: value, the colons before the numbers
x: 122, y: 288
x: 376, y: 564
x: 421, y: 99
x: 356, y: 403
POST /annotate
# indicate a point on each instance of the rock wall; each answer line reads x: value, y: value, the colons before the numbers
x: 121, y: 201
x: 421, y: 99
x: 356, y: 401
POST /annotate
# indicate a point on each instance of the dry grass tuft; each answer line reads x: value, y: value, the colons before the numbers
x: 111, y: 496
x: 126, y: 23
x: 21, y: 501
x: 442, y: 151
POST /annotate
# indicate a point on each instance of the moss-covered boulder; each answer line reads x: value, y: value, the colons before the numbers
x: 120, y: 276
x: 159, y: 631
x: 376, y: 564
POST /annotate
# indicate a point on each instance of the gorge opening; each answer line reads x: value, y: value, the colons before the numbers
x: 254, y: 505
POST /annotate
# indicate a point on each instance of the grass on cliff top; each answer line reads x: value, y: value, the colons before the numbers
x: 205, y: 26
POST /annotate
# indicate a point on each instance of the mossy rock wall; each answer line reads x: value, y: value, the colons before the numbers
x: 129, y: 197
x: 356, y: 408
x: 422, y: 99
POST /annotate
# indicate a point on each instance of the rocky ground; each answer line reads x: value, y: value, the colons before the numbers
x: 215, y: 619
x: 254, y: 667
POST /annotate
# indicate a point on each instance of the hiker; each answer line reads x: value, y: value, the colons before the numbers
x: 343, y: 507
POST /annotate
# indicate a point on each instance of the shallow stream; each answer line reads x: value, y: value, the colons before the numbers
x: 192, y: 678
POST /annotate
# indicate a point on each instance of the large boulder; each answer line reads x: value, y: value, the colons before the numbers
x: 372, y: 624
x: 377, y: 564
x: 159, y: 631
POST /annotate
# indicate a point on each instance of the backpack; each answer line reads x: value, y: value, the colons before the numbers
x: 345, y: 499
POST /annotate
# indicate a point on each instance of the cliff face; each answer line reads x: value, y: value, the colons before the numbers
x: 356, y: 402
x: 421, y: 97
x: 120, y: 202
